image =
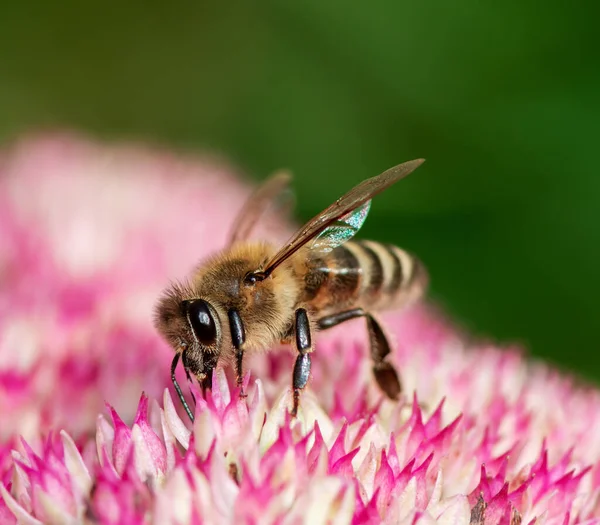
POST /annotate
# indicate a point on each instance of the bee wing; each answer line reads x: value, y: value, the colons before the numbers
x: 275, y: 188
x: 342, y: 230
x: 340, y: 221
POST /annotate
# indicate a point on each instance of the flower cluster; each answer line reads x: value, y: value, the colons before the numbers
x: 90, y: 235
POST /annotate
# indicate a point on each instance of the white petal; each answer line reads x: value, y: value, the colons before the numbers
x: 224, y: 490
x: 453, y: 511
x: 204, y: 430
x: 318, y: 505
x: 155, y: 416
x: 424, y: 519
x: 21, y: 485
x: 105, y: 435
x: 20, y: 513
x: 222, y: 396
x: 311, y: 411
x: 407, y: 501
x: 258, y: 410
x: 275, y: 420
x: 345, y: 511
x: 436, y: 494
x: 366, y: 472
x: 173, y: 504
x: 55, y: 514
x: 143, y: 460
x: 373, y: 436
x: 81, y: 481
x: 203, y: 499
x: 170, y: 442
x: 176, y: 426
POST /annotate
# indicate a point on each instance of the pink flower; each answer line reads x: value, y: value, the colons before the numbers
x: 91, y: 234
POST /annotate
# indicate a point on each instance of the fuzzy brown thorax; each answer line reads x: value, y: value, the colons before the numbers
x: 265, y: 307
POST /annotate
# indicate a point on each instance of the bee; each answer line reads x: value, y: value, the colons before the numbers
x: 253, y: 295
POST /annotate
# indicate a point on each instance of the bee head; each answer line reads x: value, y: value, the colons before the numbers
x: 202, y: 349
x: 193, y: 328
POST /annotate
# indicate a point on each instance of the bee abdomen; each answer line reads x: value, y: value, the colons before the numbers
x: 366, y: 274
x: 392, y: 277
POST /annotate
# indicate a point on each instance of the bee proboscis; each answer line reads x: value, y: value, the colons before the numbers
x: 252, y: 296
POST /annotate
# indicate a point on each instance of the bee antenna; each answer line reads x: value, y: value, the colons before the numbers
x: 178, y: 388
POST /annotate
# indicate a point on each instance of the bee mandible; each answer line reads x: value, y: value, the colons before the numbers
x: 253, y: 295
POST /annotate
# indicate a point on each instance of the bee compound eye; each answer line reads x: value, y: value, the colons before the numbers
x: 202, y: 322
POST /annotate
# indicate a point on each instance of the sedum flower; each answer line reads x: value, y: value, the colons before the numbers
x: 90, y: 234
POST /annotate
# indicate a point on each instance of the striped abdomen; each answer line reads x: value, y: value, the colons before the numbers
x: 363, y: 274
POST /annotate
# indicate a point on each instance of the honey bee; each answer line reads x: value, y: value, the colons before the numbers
x: 252, y: 295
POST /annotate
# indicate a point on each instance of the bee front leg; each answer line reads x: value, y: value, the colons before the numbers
x: 238, y: 337
x: 303, y: 361
x: 206, y: 381
x: 385, y: 374
x: 178, y: 388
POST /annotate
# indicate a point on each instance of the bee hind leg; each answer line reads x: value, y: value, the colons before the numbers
x: 303, y: 361
x: 385, y: 374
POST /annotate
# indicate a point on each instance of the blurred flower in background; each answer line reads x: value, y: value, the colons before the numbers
x: 89, y: 236
x: 501, y: 98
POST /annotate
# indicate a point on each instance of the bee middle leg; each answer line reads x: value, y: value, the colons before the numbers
x: 238, y: 337
x: 385, y: 374
x: 303, y: 361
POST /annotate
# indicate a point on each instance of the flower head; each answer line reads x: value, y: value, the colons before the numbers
x: 482, y: 435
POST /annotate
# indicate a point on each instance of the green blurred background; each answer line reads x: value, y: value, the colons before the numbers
x: 502, y: 98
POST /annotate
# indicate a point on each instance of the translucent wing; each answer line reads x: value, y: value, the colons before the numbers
x: 275, y: 188
x: 341, y: 230
x: 342, y: 208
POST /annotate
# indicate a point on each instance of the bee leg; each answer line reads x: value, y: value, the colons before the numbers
x: 385, y: 374
x: 206, y: 382
x: 178, y: 388
x: 330, y: 321
x: 304, y: 347
x: 189, y: 378
x: 238, y: 336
